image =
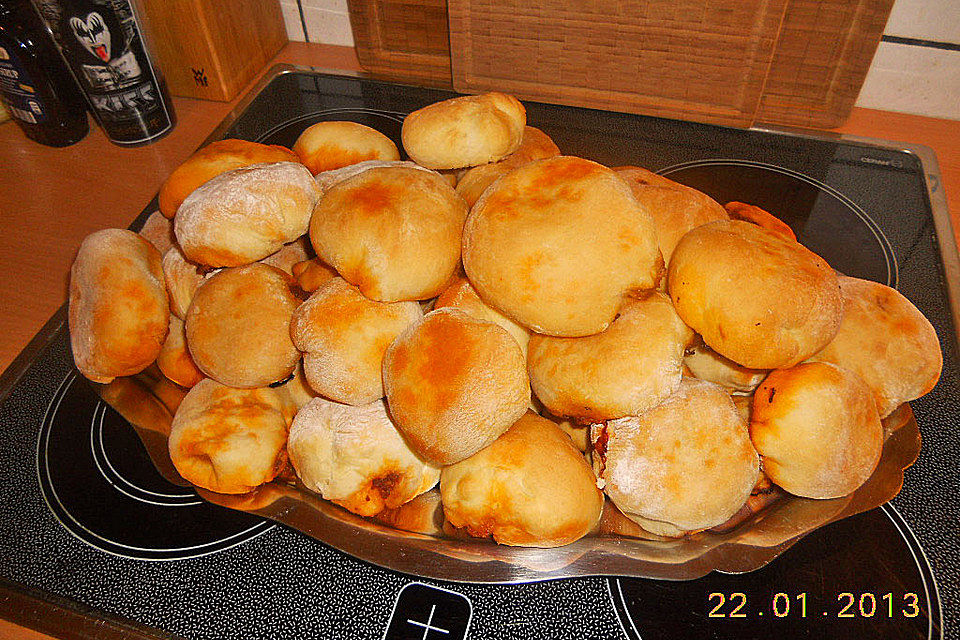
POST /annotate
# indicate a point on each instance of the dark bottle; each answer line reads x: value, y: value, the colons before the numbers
x: 38, y: 90
x: 103, y: 43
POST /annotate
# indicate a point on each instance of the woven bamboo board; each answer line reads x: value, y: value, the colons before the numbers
x: 403, y: 40
x: 705, y: 60
x: 821, y: 60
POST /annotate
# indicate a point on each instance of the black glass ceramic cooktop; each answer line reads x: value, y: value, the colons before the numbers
x: 85, y: 519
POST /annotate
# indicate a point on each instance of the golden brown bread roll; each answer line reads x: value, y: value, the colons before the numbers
x: 182, y: 279
x: 343, y: 336
x: 556, y: 243
x: 328, y: 179
x: 312, y: 273
x: 817, y: 427
x: 454, y: 384
x: 119, y: 313
x: 675, y: 208
x: 354, y: 456
x: 530, y: 487
x: 755, y: 297
x: 631, y: 366
x: 246, y: 214
x: 534, y: 145
x: 230, y: 440
x: 331, y: 145
x: 394, y: 232
x: 290, y: 254
x: 159, y: 231
x: 238, y: 326
x: 461, y: 295
x: 885, y: 340
x: 465, y: 131
x: 215, y: 158
x: 706, y: 364
x: 174, y: 359
x: 683, y: 466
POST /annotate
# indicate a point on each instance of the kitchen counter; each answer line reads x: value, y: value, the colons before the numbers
x: 51, y: 198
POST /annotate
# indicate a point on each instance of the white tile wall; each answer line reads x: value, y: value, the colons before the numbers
x: 904, y: 78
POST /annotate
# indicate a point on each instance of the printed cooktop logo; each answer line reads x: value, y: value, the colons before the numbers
x: 93, y: 34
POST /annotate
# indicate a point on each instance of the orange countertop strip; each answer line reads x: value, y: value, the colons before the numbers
x: 50, y: 199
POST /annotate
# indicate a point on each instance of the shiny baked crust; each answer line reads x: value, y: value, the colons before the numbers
x: 556, y: 243
x: 531, y: 487
x: 331, y: 145
x: 118, y: 307
x: 817, y: 427
x: 755, y: 297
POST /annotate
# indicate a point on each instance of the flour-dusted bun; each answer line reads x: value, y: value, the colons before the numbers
x: 174, y: 359
x: 757, y: 298
x: 182, y: 278
x: 675, y: 208
x: 556, y: 243
x: 312, y: 273
x: 328, y: 179
x: 530, y: 487
x: 706, y: 364
x: 325, y: 146
x: 885, y: 340
x: 535, y: 145
x: 343, y: 336
x: 238, y: 326
x: 207, y: 163
x: 159, y: 231
x: 354, y: 456
x: 683, y: 466
x: 454, y: 384
x: 119, y: 313
x: 290, y: 254
x: 465, y: 131
x: 246, y: 214
x: 461, y: 295
x: 230, y: 440
x: 817, y: 427
x: 759, y: 217
x: 631, y: 366
x: 394, y: 232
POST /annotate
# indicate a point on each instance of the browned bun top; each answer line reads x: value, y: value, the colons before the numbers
x: 530, y: 487
x: 209, y: 162
x: 312, y: 273
x: 465, y: 131
x: 332, y: 145
x: 535, y: 145
x: 394, y: 232
x: 887, y: 342
x: 631, y: 366
x: 238, y: 326
x: 355, y: 457
x: 685, y: 465
x: 453, y: 384
x: 174, y: 359
x: 119, y: 313
x: 556, y: 243
x: 817, y: 427
x: 343, y: 336
x: 461, y: 295
x: 760, y: 217
x: 246, y: 214
x: 755, y: 297
x: 675, y: 208
x: 230, y: 440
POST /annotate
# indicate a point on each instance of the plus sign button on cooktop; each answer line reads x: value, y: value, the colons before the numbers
x: 422, y: 612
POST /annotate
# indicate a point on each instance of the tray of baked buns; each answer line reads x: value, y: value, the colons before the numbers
x: 493, y: 362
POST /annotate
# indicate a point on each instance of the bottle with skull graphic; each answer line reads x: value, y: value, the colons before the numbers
x: 103, y: 43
